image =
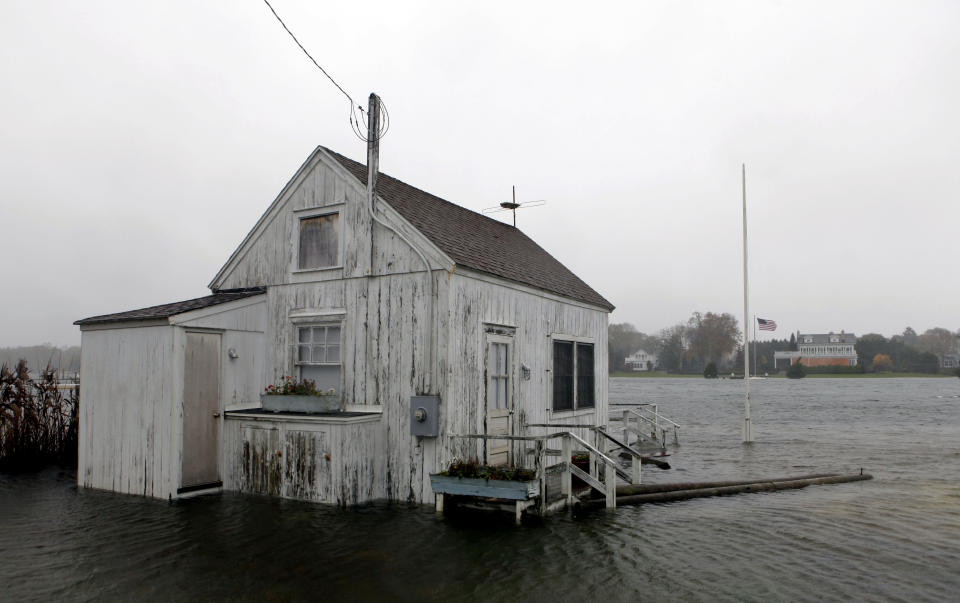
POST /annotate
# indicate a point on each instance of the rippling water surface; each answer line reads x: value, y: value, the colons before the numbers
x: 894, y: 538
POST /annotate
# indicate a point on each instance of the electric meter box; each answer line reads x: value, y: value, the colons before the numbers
x: 425, y: 416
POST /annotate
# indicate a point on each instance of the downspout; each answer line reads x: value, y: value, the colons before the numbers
x: 373, y: 165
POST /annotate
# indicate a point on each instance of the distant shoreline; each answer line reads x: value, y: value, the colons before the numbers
x: 661, y: 375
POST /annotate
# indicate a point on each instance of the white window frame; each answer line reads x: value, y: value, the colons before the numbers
x: 575, y: 411
x: 316, y: 212
x: 508, y: 342
x: 295, y: 347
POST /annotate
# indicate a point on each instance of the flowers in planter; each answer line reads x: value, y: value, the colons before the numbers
x: 581, y: 460
x: 472, y: 468
x: 291, y: 387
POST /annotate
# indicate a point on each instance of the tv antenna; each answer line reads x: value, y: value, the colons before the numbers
x: 513, y: 206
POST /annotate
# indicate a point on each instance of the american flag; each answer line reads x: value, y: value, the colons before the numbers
x: 767, y: 325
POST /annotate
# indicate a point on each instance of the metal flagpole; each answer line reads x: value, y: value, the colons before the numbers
x: 747, y: 427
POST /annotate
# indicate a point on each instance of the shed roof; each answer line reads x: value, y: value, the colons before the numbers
x: 476, y: 241
x: 172, y: 309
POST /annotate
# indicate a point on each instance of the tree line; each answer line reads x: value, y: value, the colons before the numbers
x: 44, y: 355
x: 686, y: 347
x: 908, y: 351
x: 711, y: 338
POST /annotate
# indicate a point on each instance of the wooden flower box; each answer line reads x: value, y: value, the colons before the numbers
x: 287, y: 403
x: 486, y: 488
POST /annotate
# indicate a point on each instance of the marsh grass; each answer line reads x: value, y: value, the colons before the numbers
x: 38, y: 421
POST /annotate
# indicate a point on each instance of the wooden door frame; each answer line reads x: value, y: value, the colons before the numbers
x: 219, y: 437
x: 499, y: 336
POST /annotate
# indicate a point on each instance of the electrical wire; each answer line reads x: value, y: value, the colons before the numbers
x: 356, y: 124
x: 383, y: 126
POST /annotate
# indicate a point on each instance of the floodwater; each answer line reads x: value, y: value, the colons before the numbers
x: 895, y: 538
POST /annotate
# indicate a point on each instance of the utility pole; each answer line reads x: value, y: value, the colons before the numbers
x: 747, y: 427
x: 373, y: 146
x: 373, y: 171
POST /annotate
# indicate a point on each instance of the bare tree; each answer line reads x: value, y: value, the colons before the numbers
x: 672, y: 347
x: 713, y: 337
x: 937, y: 341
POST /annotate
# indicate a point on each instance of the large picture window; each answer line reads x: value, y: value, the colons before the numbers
x: 319, y: 242
x: 318, y: 355
x: 573, y: 377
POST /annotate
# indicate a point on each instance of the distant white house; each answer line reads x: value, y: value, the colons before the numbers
x: 952, y: 358
x: 641, y: 360
x: 829, y: 349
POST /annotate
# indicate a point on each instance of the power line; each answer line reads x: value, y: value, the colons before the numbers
x: 309, y: 56
x: 355, y: 123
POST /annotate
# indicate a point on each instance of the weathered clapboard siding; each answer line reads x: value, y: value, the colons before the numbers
x: 131, y: 420
x: 379, y: 295
x: 327, y: 459
x: 387, y: 308
x: 128, y: 437
x: 476, y: 300
x: 382, y: 354
x: 392, y: 314
x: 242, y: 326
x: 266, y: 257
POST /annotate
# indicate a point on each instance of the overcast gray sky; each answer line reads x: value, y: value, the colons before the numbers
x: 142, y: 140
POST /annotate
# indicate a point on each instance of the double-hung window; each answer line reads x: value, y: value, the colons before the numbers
x: 574, y: 385
x: 319, y: 242
x: 318, y: 355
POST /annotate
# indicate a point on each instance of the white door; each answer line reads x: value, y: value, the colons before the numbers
x: 499, y: 398
x: 201, y: 410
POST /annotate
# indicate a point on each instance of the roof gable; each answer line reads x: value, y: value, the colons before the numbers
x: 476, y: 241
x: 267, y: 255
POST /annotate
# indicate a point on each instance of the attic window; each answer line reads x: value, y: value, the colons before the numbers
x: 319, y: 242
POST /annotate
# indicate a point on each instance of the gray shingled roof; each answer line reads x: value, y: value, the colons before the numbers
x: 168, y: 310
x: 477, y: 241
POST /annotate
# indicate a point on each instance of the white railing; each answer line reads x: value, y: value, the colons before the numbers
x: 569, y: 442
x: 658, y: 419
x: 601, y: 441
x: 645, y: 414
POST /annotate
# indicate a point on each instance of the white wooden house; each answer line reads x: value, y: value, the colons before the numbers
x: 332, y: 287
x: 641, y: 360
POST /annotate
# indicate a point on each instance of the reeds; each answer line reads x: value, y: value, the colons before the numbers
x: 38, y: 420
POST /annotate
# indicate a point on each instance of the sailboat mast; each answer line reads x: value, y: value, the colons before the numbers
x: 747, y: 428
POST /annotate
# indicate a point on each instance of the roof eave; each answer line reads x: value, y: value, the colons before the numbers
x: 608, y: 307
